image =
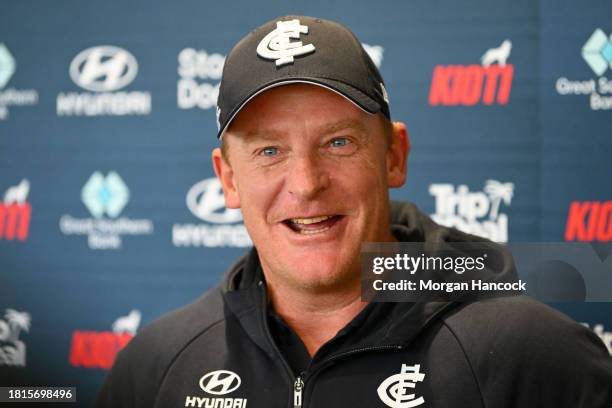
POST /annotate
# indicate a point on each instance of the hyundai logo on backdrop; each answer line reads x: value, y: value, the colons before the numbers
x: 222, y: 226
x: 205, y: 200
x: 105, y: 71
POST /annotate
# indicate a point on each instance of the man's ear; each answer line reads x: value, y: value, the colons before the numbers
x: 397, y: 155
x: 225, y: 174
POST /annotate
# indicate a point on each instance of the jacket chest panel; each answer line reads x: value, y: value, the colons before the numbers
x: 403, y: 379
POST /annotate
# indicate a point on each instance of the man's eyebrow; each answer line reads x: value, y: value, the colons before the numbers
x: 261, y: 134
x: 255, y: 135
x: 342, y: 125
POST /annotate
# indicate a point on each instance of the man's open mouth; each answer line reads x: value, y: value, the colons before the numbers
x: 312, y: 225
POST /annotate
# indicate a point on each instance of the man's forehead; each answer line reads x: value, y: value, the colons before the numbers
x: 274, y: 130
x: 287, y: 107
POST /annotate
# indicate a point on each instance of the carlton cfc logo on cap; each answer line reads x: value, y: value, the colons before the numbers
x: 277, y: 44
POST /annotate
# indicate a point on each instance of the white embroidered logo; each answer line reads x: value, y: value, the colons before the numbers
x: 220, y: 382
x: 277, y: 45
x: 393, y: 391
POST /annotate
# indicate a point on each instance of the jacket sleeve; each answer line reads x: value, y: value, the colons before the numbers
x: 526, y: 354
x: 117, y: 390
x: 134, y: 379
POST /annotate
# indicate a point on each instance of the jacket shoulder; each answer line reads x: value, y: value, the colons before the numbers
x: 170, y: 332
x: 142, y: 364
x: 523, y: 350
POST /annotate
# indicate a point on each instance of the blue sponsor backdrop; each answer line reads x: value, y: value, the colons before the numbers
x: 110, y: 216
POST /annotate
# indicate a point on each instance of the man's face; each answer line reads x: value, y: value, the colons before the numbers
x: 311, y: 173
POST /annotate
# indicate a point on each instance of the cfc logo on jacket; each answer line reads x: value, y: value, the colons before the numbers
x: 396, y: 390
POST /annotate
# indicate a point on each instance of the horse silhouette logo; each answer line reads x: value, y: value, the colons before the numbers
x: 499, y: 54
x: 128, y: 323
x: 17, y: 194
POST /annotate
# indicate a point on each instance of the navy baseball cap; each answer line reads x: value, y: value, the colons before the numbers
x: 299, y: 49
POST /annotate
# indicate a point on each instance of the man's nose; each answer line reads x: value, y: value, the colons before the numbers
x: 306, y: 178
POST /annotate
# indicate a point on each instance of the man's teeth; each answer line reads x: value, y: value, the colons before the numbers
x: 312, y: 232
x: 313, y: 220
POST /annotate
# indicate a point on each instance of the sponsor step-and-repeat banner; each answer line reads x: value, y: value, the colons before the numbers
x: 110, y: 213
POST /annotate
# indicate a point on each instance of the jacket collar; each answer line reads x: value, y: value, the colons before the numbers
x: 378, y: 325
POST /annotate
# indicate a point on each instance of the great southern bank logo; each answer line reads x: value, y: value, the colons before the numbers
x: 597, y: 53
x: 474, y: 212
x: 488, y: 83
x: 105, y: 197
x: 394, y: 391
x: 11, y: 96
x: 103, y: 70
x: 222, y: 227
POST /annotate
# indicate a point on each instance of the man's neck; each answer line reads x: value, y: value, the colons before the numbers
x: 316, y: 318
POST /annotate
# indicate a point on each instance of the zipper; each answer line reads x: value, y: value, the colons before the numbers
x: 298, y: 387
x: 297, y: 395
x: 354, y: 351
x: 300, y: 382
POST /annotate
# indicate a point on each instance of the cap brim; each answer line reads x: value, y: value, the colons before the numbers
x: 352, y: 94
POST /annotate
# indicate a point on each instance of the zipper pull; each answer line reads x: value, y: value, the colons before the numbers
x: 298, y: 386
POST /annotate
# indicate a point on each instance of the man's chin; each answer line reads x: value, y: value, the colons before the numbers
x: 318, y: 276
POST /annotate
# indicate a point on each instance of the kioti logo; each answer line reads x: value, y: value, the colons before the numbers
x: 489, y: 83
x: 589, y: 221
x: 15, y: 212
x: 92, y: 349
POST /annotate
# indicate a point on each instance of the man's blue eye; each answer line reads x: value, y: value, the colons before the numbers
x: 269, y: 151
x: 339, y: 142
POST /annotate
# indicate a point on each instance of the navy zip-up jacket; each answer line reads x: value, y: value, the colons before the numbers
x: 508, y: 352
